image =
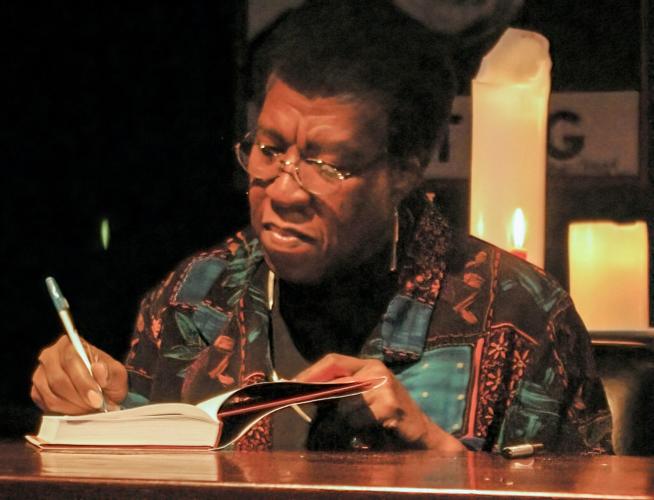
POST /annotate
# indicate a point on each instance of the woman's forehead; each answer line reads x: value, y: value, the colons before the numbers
x: 293, y: 115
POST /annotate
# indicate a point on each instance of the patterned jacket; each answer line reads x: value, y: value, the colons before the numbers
x: 489, y: 345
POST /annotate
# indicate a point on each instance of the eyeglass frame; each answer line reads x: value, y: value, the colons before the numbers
x: 342, y: 174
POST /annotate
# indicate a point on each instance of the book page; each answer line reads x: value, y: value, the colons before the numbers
x: 140, y: 412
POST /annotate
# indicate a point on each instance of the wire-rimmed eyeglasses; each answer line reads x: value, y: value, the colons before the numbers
x: 266, y: 162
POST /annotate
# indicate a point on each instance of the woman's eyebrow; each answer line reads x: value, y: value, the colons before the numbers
x: 341, y: 148
x: 271, y: 134
x: 313, y: 147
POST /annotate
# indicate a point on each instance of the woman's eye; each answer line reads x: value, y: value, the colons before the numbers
x: 327, y: 170
x: 269, y: 151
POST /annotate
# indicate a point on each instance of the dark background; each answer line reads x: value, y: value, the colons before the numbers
x: 127, y: 111
x: 122, y: 111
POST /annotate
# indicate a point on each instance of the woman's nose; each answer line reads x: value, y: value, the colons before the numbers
x: 288, y: 166
x: 286, y: 188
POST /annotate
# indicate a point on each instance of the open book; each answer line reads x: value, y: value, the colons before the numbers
x: 214, y: 423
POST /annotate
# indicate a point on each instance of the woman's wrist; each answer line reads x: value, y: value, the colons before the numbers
x: 435, y: 438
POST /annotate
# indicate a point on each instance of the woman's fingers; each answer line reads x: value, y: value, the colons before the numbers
x: 50, y: 401
x: 112, y: 378
x: 389, y: 405
x: 62, y: 382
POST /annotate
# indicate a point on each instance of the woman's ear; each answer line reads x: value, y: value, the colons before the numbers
x: 406, y: 175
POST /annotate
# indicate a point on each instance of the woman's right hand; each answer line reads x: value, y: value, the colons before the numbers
x: 61, y: 382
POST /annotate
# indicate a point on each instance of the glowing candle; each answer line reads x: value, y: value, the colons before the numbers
x: 509, y: 130
x: 519, y: 226
x: 609, y: 274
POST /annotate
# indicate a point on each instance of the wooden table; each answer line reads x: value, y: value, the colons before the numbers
x: 27, y: 473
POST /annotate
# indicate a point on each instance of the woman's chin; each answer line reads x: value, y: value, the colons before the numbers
x: 296, y: 267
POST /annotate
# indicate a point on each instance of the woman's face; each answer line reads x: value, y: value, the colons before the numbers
x: 308, y: 237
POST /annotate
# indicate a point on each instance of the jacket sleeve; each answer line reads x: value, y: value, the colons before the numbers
x: 561, y: 401
x: 585, y: 419
x: 144, y: 352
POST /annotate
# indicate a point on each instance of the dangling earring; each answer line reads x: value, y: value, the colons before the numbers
x: 396, y: 238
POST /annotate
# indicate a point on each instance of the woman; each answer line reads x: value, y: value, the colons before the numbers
x: 348, y: 270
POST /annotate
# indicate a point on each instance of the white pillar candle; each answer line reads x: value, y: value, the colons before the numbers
x: 510, y: 97
x: 609, y: 274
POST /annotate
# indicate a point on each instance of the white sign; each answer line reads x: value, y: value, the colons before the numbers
x: 590, y: 134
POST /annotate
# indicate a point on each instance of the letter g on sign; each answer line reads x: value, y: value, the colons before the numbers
x: 562, y: 146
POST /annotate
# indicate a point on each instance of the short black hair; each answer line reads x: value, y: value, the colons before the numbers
x: 373, y: 51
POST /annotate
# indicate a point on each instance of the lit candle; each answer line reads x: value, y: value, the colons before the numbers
x: 509, y: 130
x: 519, y: 230
x: 609, y: 274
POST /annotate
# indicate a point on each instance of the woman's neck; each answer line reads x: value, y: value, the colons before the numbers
x: 369, y: 274
x: 339, y: 314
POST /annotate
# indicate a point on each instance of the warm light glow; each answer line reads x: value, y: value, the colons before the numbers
x: 609, y: 274
x: 510, y: 97
x: 519, y: 225
x: 480, y: 226
x: 105, y: 233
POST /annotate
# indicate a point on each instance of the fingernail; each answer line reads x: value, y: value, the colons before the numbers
x: 94, y: 398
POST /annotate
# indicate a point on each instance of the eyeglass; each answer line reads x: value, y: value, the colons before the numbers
x: 266, y: 162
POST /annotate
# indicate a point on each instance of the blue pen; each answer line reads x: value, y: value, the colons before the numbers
x: 63, y: 309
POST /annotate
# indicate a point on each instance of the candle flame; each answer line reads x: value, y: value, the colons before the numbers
x: 519, y: 228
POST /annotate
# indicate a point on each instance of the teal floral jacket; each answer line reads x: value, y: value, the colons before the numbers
x: 489, y: 345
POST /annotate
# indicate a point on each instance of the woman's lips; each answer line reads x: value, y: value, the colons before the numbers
x: 285, y: 236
